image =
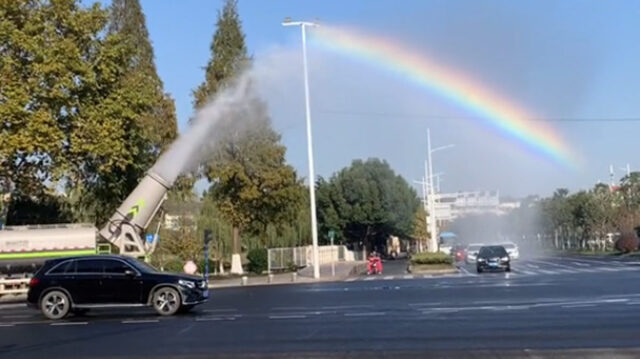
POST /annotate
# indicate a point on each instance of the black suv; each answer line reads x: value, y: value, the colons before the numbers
x: 77, y: 284
x: 493, y: 258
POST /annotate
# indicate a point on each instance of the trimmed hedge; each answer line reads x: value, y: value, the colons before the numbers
x: 258, y: 260
x: 431, y: 258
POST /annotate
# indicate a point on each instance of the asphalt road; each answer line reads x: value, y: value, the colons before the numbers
x: 545, y: 307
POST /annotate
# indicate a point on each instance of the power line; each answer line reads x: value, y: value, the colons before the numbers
x: 442, y: 117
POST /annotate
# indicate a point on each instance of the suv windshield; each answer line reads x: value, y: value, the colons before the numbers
x: 493, y: 251
x: 142, y: 266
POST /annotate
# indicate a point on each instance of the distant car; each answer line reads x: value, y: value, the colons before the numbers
x: 77, y: 284
x: 472, y: 251
x: 493, y: 258
x: 458, y: 252
x: 512, y: 249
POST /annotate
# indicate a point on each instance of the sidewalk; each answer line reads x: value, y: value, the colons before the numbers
x: 305, y: 275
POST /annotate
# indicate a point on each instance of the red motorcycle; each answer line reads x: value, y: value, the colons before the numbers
x: 375, y: 265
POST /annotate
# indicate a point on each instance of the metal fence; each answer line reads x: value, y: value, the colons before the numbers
x: 14, y: 286
x: 298, y: 257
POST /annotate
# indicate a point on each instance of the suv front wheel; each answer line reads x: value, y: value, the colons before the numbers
x: 55, y: 304
x: 166, y: 301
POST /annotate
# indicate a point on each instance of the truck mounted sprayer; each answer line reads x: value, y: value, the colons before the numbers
x: 24, y: 248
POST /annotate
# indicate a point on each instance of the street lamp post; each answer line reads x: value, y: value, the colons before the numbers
x: 312, y: 193
x: 433, y: 225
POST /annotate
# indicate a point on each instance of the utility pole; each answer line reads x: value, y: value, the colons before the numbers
x: 433, y: 242
x: 431, y: 196
x: 312, y: 179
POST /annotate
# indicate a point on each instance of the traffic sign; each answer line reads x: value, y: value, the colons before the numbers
x: 149, y: 238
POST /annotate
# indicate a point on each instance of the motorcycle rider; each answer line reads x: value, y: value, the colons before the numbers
x: 375, y: 263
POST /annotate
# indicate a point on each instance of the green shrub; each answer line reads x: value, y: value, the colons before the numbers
x: 431, y: 258
x: 258, y: 260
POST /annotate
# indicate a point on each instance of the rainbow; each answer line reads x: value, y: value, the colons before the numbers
x: 504, y: 115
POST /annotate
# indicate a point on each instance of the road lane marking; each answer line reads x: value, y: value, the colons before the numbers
x: 219, y: 310
x: 6, y: 325
x: 69, y: 323
x: 351, y: 279
x: 139, y: 321
x: 581, y: 264
x: 578, y: 305
x: 287, y: 316
x: 17, y: 316
x: 388, y: 277
x: 532, y: 265
x: 212, y: 319
x: 369, y: 278
x: 347, y: 306
x: 408, y: 276
x: 547, y: 271
x: 365, y: 314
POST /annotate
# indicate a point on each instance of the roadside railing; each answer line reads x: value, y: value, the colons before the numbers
x: 14, y: 286
x: 298, y: 257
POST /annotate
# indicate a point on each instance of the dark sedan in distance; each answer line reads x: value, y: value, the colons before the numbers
x: 77, y: 284
x: 493, y: 258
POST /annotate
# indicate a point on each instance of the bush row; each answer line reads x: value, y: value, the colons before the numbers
x: 431, y: 258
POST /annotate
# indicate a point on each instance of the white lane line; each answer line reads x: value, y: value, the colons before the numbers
x: 369, y: 278
x: 351, y: 279
x: 580, y: 264
x: 408, y: 276
x: 6, y: 325
x: 366, y: 314
x: 609, y: 269
x: 17, y: 316
x: 213, y: 319
x: 224, y: 310
x: 69, y: 323
x: 347, y: 306
x: 287, y: 316
x: 139, y: 321
x: 532, y: 265
x: 427, y: 276
x: 527, y: 272
x: 547, y: 271
x: 426, y: 304
x: 578, y: 306
x: 388, y: 277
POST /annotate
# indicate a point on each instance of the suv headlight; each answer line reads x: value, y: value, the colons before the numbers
x: 187, y: 283
x: 480, y: 259
x: 504, y: 259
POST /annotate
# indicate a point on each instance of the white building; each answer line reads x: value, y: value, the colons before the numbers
x: 450, y: 206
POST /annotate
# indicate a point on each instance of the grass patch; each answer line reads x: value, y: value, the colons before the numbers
x: 431, y: 258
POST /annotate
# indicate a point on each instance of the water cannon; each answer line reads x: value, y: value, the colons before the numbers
x: 125, y: 229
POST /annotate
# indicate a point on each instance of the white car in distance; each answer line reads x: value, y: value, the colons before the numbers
x: 512, y: 250
x: 472, y: 252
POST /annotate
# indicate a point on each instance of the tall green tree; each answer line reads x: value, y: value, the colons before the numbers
x: 45, y: 49
x: 147, y: 114
x: 251, y: 183
x: 367, y: 202
x: 228, y: 54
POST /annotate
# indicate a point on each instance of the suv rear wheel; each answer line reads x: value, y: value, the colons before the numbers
x: 166, y: 301
x: 55, y: 304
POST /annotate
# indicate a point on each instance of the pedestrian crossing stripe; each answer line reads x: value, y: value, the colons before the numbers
x: 514, y: 272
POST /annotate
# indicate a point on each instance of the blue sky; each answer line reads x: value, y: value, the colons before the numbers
x: 559, y: 59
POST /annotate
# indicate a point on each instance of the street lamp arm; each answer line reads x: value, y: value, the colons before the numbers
x: 441, y: 148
